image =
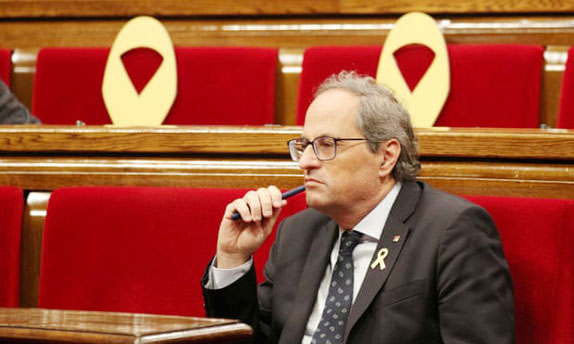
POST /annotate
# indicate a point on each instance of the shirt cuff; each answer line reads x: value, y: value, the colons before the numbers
x: 221, y: 278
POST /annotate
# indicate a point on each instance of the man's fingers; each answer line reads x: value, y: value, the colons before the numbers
x: 266, y: 202
x: 241, y: 207
x: 275, y: 196
x: 254, y: 204
x: 257, y: 205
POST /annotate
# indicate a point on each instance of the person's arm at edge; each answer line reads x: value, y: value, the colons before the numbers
x: 11, y: 110
x: 475, y: 292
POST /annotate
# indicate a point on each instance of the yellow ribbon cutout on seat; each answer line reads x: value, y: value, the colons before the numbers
x: 425, y: 102
x: 125, y: 106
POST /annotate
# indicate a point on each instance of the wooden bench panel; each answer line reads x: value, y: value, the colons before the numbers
x: 117, y: 8
x: 465, y: 161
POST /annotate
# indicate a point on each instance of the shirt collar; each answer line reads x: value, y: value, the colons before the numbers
x: 372, y: 224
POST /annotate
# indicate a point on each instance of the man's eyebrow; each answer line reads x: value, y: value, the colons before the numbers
x: 303, y: 137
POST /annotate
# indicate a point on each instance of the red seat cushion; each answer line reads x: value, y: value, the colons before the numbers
x: 216, y: 86
x: 491, y: 85
x: 11, y: 207
x: 537, y: 236
x: 133, y: 249
x: 566, y: 109
x: 5, y: 64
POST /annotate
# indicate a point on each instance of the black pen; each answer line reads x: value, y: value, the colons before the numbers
x: 235, y: 216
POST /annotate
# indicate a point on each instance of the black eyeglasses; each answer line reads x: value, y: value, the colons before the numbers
x: 325, y: 147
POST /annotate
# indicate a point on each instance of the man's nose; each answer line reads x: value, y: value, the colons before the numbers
x: 308, y: 159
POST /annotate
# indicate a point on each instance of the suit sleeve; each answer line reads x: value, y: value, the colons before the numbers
x: 245, y: 300
x: 236, y: 301
x: 475, y: 294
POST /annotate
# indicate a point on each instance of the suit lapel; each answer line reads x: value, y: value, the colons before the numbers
x: 395, y: 234
x: 313, y: 273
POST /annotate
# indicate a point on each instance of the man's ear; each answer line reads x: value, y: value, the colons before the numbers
x: 390, y: 151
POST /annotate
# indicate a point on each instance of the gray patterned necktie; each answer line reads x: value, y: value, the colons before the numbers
x: 331, y: 328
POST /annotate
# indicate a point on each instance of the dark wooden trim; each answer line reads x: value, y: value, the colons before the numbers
x: 470, y: 143
x: 168, y: 8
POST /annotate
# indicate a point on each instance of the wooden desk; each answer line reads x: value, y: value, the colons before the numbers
x: 56, y: 326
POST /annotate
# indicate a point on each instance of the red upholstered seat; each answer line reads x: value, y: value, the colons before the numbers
x: 134, y: 249
x: 491, y: 85
x: 538, y: 240
x: 566, y: 109
x: 216, y: 86
x: 11, y: 206
x: 5, y: 63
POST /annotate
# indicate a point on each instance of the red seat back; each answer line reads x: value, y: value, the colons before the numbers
x: 491, y: 85
x: 566, y: 109
x: 5, y: 64
x: 216, y: 86
x: 133, y: 249
x: 538, y: 240
x: 11, y: 206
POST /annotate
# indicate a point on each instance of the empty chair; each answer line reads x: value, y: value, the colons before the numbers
x: 566, y: 109
x: 216, y: 85
x: 538, y: 239
x: 11, y: 206
x: 5, y: 64
x: 491, y: 85
x: 134, y: 249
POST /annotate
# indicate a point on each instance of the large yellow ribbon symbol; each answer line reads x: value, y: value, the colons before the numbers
x: 150, y: 107
x: 425, y: 102
x: 381, y: 255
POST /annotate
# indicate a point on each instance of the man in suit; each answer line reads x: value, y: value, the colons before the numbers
x: 422, y: 266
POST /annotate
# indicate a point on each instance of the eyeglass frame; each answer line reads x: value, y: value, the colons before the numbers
x: 292, y: 153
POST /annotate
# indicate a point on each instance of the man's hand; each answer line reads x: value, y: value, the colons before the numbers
x: 237, y: 240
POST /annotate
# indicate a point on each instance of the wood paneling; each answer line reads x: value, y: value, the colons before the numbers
x: 459, y: 6
x: 47, y: 173
x: 263, y: 140
x: 294, y: 33
x: 166, y: 8
x: 32, y: 233
x: 555, y: 58
x: 477, y: 161
x: 260, y: 141
x: 473, y: 143
x: 501, y: 179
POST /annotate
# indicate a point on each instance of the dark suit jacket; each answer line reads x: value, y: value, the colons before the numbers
x: 446, y: 280
x: 11, y: 110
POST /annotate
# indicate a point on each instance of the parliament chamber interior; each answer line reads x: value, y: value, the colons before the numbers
x: 96, y: 217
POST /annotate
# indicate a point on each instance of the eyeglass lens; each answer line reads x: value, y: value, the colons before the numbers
x: 324, y: 148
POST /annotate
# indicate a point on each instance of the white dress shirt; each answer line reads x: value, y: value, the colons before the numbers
x: 371, y: 226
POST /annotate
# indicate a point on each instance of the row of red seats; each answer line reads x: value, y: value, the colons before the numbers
x: 137, y: 249
x: 491, y: 85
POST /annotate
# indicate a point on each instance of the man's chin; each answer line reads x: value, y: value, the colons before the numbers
x: 315, y: 201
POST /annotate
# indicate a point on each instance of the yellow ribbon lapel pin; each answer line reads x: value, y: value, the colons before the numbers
x: 380, y: 260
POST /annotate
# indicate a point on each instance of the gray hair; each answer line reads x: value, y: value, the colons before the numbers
x: 380, y: 117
